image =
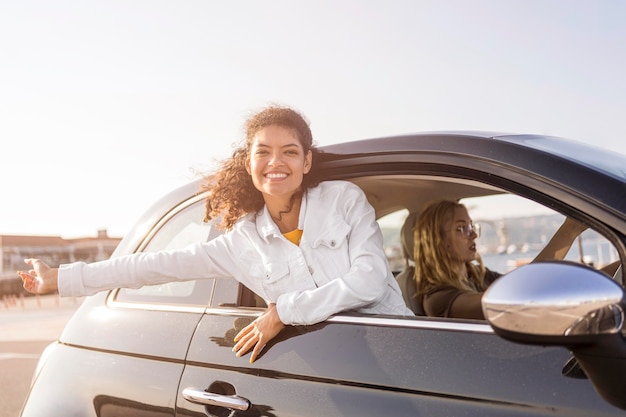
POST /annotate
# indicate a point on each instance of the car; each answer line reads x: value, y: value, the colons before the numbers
x: 552, y: 342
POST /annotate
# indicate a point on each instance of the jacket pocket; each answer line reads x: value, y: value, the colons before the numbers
x: 274, y: 277
x: 334, y: 235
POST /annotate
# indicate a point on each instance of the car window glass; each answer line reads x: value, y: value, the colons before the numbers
x: 184, y: 228
x: 514, y: 230
x: 390, y: 226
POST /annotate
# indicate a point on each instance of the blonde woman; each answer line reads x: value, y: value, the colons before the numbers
x: 449, y: 272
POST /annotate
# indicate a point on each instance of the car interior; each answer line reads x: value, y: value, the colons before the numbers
x: 401, y: 198
x: 393, y: 197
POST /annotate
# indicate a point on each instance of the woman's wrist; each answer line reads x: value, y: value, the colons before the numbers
x: 51, y: 279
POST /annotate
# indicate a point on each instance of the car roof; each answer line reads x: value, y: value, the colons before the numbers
x: 407, y: 171
x: 590, y: 173
x: 485, y: 144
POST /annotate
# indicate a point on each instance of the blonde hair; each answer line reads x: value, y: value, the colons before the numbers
x: 434, y: 265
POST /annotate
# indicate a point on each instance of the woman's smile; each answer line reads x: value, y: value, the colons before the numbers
x: 277, y: 162
x: 276, y: 175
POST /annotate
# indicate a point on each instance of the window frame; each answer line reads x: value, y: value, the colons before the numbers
x: 123, y: 298
x: 350, y: 318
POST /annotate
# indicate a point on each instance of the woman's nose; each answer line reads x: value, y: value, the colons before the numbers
x: 275, y: 159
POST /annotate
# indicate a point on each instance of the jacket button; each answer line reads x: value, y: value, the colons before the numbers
x: 332, y: 243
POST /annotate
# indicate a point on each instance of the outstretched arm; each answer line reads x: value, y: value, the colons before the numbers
x: 41, y: 279
x: 562, y: 240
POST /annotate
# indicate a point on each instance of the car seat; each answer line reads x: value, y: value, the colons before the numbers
x: 406, y: 278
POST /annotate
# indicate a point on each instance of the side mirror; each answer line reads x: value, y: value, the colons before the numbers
x: 554, y: 302
x: 566, y: 304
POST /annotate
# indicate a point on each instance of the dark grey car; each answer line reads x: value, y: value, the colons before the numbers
x: 554, y: 343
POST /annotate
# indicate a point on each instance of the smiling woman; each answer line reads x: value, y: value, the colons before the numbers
x: 277, y: 165
x: 237, y: 189
x: 309, y: 249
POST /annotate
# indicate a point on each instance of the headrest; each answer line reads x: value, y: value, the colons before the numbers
x: 406, y: 236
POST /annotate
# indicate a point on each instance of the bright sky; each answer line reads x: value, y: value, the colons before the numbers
x: 107, y: 105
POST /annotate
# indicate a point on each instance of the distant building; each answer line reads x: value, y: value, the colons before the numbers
x: 53, y: 250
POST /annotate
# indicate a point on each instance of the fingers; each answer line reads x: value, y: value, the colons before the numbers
x: 249, y: 338
x: 258, y: 333
x: 37, y: 265
x: 23, y: 275
x: 31, y: 261
x: 245, y: 340
x: 256, y: 351
x: 242, y: 336
x: 29, y: 281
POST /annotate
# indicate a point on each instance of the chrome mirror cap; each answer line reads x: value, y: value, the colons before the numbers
x: 555, y: 299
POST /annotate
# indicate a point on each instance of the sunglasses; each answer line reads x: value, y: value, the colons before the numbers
x: 468, y: 229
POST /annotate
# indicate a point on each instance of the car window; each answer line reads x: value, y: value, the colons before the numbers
x: 390, y: 226
x: 514, y: 230
x: 182, y: 228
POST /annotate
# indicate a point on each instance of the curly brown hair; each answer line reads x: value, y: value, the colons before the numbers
x: 232, y: 194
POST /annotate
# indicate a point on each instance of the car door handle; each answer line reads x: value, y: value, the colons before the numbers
x: 199, y: 396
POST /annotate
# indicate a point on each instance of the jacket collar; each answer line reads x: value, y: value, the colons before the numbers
x: 266, y: 227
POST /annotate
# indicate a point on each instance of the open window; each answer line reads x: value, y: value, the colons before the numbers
x: 514, y: 228
x: 182, y: 227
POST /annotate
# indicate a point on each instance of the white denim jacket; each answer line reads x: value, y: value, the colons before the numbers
x: 339, y: 265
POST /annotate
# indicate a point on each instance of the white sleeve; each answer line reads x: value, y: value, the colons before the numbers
x: 202, y: 260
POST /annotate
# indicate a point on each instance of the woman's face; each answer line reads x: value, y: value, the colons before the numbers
x: 460, y: 237
x: 277, y: 162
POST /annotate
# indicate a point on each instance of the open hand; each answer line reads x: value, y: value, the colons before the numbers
x: 258, y: 333
x: 41, y: 279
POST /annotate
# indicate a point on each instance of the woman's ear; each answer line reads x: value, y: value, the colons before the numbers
x: 308, y: 161
x: 247, y: 164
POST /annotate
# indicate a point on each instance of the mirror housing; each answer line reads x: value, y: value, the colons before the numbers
x: 570, y: 305
x: 557, y: 302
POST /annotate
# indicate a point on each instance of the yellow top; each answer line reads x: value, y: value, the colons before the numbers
x: 294, y: 236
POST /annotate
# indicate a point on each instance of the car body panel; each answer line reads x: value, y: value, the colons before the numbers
x: 136, y: 358
x: 466, y: 369
x: 76, y: 381
x: 133, y: 331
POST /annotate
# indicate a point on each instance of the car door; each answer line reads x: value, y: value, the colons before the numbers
x: 370, y: 366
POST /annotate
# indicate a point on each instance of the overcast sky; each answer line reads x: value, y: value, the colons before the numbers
x: 107, y: 105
